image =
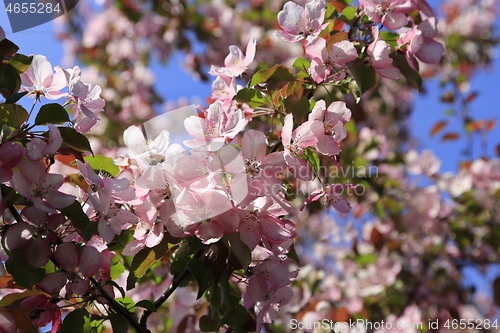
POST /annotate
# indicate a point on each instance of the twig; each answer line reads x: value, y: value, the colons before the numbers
x: 163, y: 298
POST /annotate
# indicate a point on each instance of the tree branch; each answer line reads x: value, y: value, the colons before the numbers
x: 119, y: 308
x: 163, y: 298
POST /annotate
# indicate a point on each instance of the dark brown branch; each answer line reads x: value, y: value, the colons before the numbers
x: 119, y: 308
x: 163, y: 298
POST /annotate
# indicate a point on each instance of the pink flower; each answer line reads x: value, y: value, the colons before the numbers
x: 268, y: 310
x: 38, y: 148
x: 267, y: 289
x: 259, y: 219
x: 324, y: 61
x: 207, y: 214
x: 236, y: 63
x: 294, y: 143
x: 334, y: 118
x: 392, y: 12
x: 12, y: 153
x: 218, y: 125
x: 50, y: 312
x: 379, y: 52
x: 119, y: 188
x: 75, y: 267
x: 40, y: 79
x: 255, y: 173
x: 420, y: 43
x: 86, y: 98
x: 224, y: 89
x: 111, y: 220
x: 299, y: 22
x: 32, y: 182
x: 331, y: 194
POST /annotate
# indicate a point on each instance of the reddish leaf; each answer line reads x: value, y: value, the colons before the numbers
x: 475, y: 125
x: 438, y: 127
x: 8, y: 282
x: 448, y: 97
x: 450, y: 136
x: 338, y: 6
x: 377, y: 238
x: 472, y: 96
x: 491, y: 124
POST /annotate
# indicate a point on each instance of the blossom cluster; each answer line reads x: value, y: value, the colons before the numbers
x: 223, y: 190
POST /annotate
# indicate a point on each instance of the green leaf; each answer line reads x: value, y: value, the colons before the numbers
x: 144, y: 265
x: 99, y: 163
x: 313, y: 160
x: 207, y: 324
x: 13, y: 98
x: 366, y: 259
x: 10, y: 114
x: 116, y: 270
x: 23, y: 273
x: 51, y: 113
x: 365, y: 75
x: 7, y: 48
x: 200, y: 273
x: 250, y: 96
x: 354, y: 88
x: 411, y: 75
x: 74, y: 321
x: 139, y: 266
x: 10, y: 81
x: 240, y: 250
x: 298, y: 107
x: 119, y: 324
x: 74, y: 140
x: 390, y: 38
x: 348, y: 15
x: 293, y: 254
x: 79, y: 219
x: 301, y: 64
x: 127, y: 303
x: 146, y: 304
x: 20, y: 62
x: 279, y: 73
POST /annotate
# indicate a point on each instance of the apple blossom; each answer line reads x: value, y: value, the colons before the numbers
x: 294, y: 143
x: 236, y: 63
x: 379, y: 52
x: 420, y: 43
x: 218, y: 125
x: 40, y: 187
x: 40, y: 79
x: 260, y: 219
x: 11, y: 153
x: 392, y: 12
x: 45, y: 310
x: 37, y: 148
x: 325, y: 61
x: 300, y: 22
x: 87, y: 103
x: 333, y: 118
